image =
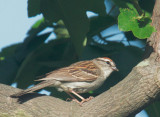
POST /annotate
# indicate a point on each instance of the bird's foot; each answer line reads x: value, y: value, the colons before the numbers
x: 83, y: 100
x: 69, y: 99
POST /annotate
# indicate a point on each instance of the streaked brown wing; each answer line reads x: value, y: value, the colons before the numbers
x: 75, y: 72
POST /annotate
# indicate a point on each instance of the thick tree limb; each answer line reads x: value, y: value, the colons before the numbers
x: 154, y: 40
x: 140, y: 88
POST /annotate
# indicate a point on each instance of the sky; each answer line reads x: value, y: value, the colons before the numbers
x: 14, y: 24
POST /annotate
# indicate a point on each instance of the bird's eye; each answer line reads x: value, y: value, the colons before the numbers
x: 108, y: 62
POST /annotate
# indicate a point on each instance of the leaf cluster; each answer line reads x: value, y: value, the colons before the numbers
x: 78, y: 37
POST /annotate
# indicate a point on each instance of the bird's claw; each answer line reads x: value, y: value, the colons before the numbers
x: 83, y: 100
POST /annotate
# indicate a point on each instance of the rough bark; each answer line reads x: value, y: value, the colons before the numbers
x: 139, y: 89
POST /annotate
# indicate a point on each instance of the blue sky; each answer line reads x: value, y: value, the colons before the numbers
x: 14, y: 22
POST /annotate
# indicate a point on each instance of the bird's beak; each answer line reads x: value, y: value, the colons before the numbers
x: 114, y: 68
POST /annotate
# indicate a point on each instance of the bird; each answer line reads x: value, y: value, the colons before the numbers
x: 79, y: 77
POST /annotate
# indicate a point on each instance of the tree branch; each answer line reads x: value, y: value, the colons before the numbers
x: 140, y: 88
x: 154, y: 40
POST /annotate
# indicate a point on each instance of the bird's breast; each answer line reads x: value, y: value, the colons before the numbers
x: 82, y: 87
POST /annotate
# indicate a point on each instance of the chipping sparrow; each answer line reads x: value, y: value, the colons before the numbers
x: 80, y: 77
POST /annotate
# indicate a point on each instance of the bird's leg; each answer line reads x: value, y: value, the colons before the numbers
x: 73, y: 98
x: 69, y: 91
x: 82, y: 98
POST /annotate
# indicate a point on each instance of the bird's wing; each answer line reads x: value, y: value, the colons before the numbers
x: 75, y: 72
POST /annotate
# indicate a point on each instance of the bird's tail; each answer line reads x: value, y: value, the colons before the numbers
x: 34, y: 88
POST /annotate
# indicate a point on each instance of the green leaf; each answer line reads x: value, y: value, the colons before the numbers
x: 51, y: 10
x: 121, y: 3
x: 61, y: 31
x: 34, y: 7
x: 30, y: 43
x: 37, y: 27
x: 126, y: 20
x: 38, y: 23
x: 100, y: 23
x: 90, y: 92
x: 2, y: 58
x: 153, y: 109
x: 97, y: 6
x: 129, y: 20
x: 45, y: 58
x: 8, y: 64
x: 9, y: 50
x: 73, y: 14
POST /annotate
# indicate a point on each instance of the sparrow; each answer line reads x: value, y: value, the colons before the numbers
x: 80, y: 77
